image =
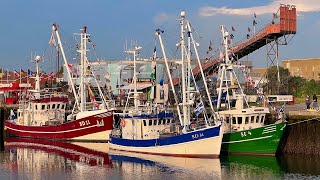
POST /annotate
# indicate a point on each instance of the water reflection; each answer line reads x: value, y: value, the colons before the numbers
x: 39, y: 159
x: 143, y: 165
x: 251, y: 167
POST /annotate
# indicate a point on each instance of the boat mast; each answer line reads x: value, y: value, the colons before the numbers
x: 37, y: 78
x: 83, y: 66
x: 185, y: 105
x: 158, y: 33
x: 200, y: 66
x: 55, y: 28
x: 135, y: 52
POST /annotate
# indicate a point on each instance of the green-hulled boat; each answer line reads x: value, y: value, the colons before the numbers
x: 263, y: 140
x: 245, y: 131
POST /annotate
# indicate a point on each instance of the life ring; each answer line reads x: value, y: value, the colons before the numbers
x: 123, y: 123
x: 20, y: 121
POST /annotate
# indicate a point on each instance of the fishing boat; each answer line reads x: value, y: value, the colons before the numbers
x: 245, y: 131
x: 42, y: 113
x: 159, y: 132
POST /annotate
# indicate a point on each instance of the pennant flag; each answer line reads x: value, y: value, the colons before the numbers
x: 254, y: 22
x: 232, y: 28
x: 199, y: 109
x: 16, y: 73
x: 275, y: 16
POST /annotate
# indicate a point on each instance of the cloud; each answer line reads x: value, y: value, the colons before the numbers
x: 302, y: 6
x: 161, y: 18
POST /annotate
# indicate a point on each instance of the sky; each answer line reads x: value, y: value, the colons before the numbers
x: 26, y: 26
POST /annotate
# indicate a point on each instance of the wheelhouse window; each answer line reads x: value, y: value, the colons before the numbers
x: 168, y: 121
x: 150, y: 122
x: 262, y: 119
x: 58, y: 106
x: 53, y: 106
x: 247, y: 120
x: 144, y: 123
x: 36, y: 107
x: 234, y: 121
x: 43, y: 107
x: 62, y: 107
x: 48, y: 106
x: 227, y: 119
x: 155, y: 122
x: 239, y: 120
x: 257, y: 119
x: 252, y: 119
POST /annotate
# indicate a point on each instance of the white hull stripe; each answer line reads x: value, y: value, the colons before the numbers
x: 265, y: 132
x: 253, y: 139
x: 44, y: 132
x: 268, y: 128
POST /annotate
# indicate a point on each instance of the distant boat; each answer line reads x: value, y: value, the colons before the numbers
x: 156, y: 131
x: 244, y: 129
x: 41, y: 113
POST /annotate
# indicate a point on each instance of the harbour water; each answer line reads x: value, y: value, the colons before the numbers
x: 38, y: 159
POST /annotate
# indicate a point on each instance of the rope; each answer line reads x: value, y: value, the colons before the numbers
x: 312, y: 119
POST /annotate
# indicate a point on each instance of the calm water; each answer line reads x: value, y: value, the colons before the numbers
x: 32, y: 159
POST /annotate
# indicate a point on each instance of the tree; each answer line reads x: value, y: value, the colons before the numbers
x: 274, y: 86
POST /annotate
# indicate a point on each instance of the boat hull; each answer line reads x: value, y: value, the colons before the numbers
x: 259, y: 141
x: 201, y: 143
x: 92, y: 128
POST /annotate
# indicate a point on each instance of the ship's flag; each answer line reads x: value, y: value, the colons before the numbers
x: 30, y: 73
x: 232, y: 28
x: 22, y: 72
x: 249, y: 29
x: 52, y: 41
x: 12, y: 115
x: 73, y: 70
x: 16, y: 73
x: 199, y: 109
x: 254, y: 14
x: 51, y: 75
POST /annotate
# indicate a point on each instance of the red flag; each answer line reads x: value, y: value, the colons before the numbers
x: 51, y: 75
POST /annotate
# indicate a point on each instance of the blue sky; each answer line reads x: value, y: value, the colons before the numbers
x: 26, y: 25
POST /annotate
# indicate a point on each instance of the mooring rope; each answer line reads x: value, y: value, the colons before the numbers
x: 312, y: 119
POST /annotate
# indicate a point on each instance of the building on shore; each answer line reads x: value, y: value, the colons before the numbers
x: 306, y: 68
